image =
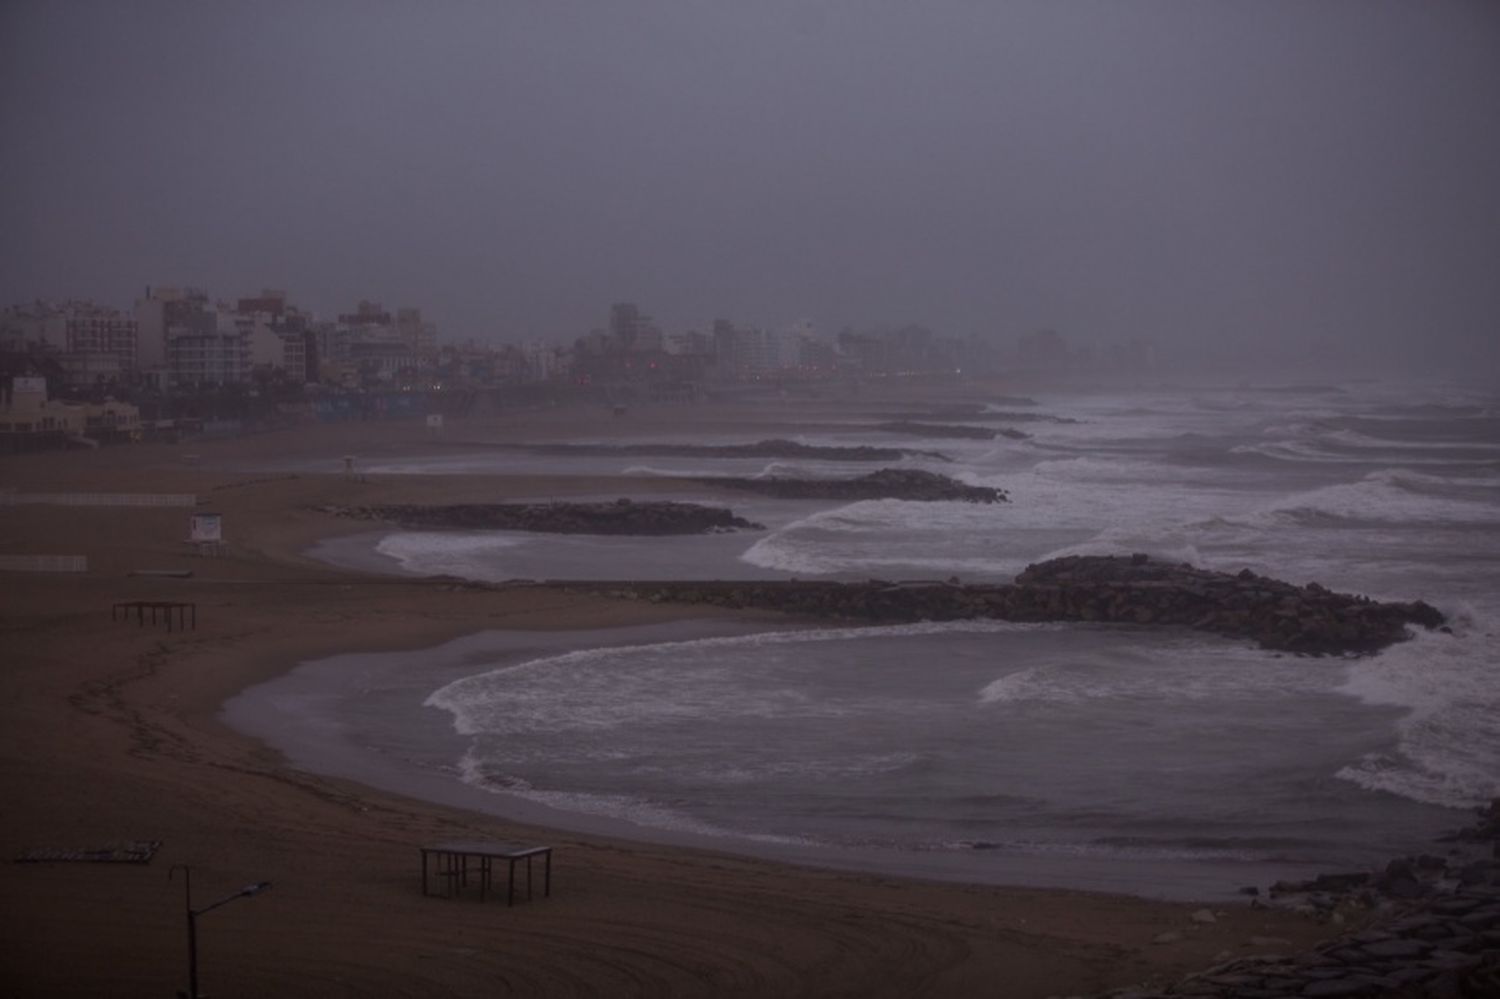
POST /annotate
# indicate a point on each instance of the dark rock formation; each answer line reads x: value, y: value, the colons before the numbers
x: 620, y: 517
x: 1448, y: 948
x: 949, y: 411
x: 1486, y: 830
x: 1276, y: 614
x: 1435, y: 934
x: 888, y: 483
x: 760, y: 449
x: 1005, y: 416
x: 1134, y: 590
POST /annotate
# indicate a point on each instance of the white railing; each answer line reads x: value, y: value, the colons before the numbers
x: 44, y: 563
x: 99, y: 499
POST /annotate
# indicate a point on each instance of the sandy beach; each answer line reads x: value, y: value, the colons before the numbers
x: 113, y: 734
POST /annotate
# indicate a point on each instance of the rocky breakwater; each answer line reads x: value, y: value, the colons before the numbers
x: 888, y: 483
x: 775, y: 448
x: 621, y: 516
x: 1130, y: 590
x: 1276, y: 614
x: 957, y: 431
x: 1426, y: 927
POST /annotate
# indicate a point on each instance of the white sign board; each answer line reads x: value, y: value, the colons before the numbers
x: 207, y: 527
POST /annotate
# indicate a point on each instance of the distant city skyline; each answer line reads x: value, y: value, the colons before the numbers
x: 1275, y: 181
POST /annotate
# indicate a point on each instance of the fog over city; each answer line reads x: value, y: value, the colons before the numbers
x: 1285, y: 182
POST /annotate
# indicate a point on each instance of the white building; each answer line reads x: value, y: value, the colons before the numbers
x: 542, y: 361
x: 207, y: 348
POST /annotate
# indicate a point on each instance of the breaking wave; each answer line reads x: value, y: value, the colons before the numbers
x: 1448, y: 746
x: 1393, y: 496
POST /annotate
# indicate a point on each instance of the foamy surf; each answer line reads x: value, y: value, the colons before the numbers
x: 1387, y: 496
x: 619, y: 807
x: 489, y: 699
x: 468, y: 554
x: 1448, y: 741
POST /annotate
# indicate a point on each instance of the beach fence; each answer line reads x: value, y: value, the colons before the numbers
x: 176, y: 614
x: 98, y: 499
x: 44, y: 563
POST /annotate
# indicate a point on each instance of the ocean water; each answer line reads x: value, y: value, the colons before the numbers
x: 984, y: 747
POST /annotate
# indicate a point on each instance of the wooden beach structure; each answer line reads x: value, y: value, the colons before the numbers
x: 182, y: 614
x: 450, y: 861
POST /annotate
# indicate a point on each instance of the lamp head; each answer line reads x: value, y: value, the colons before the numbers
x: 256, y: 888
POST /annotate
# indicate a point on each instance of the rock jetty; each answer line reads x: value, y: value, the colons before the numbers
x: 948, y: 411
x: 1011, y: 416
x: 982, y: 415
x: 1133, y: 589
x: 775, y: 448
x: 888, y: 483
x: 1427, y: 928
x: 622, y: 516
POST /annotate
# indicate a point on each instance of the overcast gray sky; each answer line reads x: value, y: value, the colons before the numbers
x: 1318, y: 177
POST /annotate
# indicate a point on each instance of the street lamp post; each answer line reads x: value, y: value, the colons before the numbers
x: 193, y: 914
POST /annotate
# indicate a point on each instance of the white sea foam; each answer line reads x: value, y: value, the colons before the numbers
x: 635, y: 810
x: 781, y: 553
x: 785, y: 470
x: 1035, y: 683
x: 823, y: 769
x: 1101, y: 469
x: 793, y: 555
x: 674, y: 473
x: 653, y: 689
x: 896, y: 534
x: 1355, y: 439
x: 1448, y: 751
x: 1294, y: 449
x: 1049, y: 502
x: 1483, y: 484
x: 1389, y: 496
x: 1300, y: 450
x: 773, y: 470
x: 468, y: 554
x: 1176, y: 669
x: 888, y: 515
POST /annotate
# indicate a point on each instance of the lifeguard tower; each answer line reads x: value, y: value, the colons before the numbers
x: 206, y: 533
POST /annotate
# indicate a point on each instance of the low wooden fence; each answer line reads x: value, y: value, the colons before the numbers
x: 44, y: 563
x: 98, y: 499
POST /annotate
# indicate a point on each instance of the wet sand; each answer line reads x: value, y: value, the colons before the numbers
x: 113, y: 732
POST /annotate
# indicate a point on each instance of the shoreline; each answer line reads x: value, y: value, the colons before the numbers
x: 115, y: 734
x: 290, y: 713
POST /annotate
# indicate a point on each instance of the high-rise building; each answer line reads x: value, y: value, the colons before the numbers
x: 102, y: 331
x: 420, y: 336
x: 630, y: 329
